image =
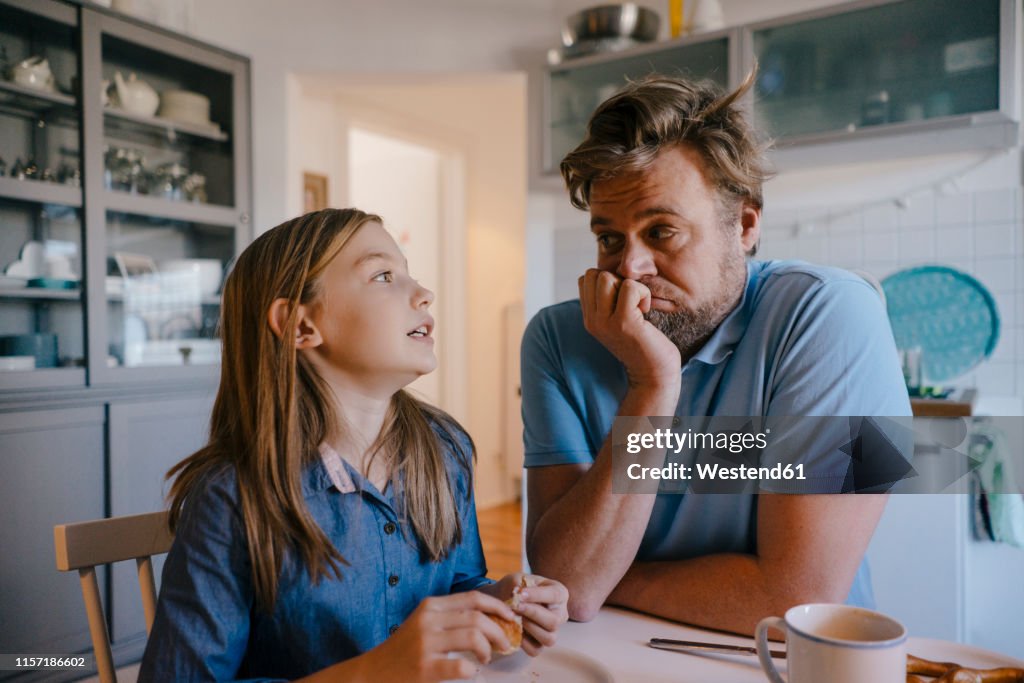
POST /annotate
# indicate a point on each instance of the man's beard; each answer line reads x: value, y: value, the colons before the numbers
x: 689, y: 329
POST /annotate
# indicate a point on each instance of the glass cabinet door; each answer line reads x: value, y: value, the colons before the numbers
x: 906, y: 61
x: 41, y: 247
x: 574, y: 91
x: 166, y: 126
x: 168, y: 159
x: 163, y: 290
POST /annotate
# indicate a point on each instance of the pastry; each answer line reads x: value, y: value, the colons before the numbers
x: 950, y: 672
x: 513, y: 628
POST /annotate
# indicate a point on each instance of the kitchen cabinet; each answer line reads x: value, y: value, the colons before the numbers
x: 131, y: 218
x: 869, y: 69
x: 910, y: 75
x: 146, y: 439
x: 115, y: 241
x: 575, y: 88
x: 53, y: 471
x: 41, y: 328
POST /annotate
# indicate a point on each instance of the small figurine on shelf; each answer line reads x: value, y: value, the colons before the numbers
x: 18, y: 170
x: 195, y: 188
x: 69, y: 175
x: 3, y: 167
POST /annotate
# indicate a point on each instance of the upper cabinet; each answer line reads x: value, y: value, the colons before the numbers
x: 167, y: 131
x: 42, y: 311
x: 125, y: 193
x: 861, y: 69
x: 908, y: 72
x: 575, y: 88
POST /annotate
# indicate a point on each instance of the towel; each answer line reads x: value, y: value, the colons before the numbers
x: 1000, y: 504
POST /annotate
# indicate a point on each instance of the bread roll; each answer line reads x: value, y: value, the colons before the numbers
x: 513, y: 628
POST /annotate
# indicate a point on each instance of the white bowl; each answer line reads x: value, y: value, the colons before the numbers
x: 17, y: 363
x: 208, y: 272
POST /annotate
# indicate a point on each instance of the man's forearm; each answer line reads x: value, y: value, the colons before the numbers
x: 726, y: 592
x: 589, y: 537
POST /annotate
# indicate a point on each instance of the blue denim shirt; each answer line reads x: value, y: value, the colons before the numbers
x: 207, y: 626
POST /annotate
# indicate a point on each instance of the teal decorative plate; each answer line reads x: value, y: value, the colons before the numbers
x: 947, y: 313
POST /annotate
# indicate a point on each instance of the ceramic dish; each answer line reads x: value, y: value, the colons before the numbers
x: 945, y: 312
x: 12, y: 363
x: 12, y: 281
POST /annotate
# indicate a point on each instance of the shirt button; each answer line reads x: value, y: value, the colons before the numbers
x: 393, y: 580
x: 389, y: 528
x: 391, y: 631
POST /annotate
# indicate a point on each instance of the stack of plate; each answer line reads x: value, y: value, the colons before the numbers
x: 185, y: 106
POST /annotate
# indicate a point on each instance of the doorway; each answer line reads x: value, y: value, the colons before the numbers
x: 402, y: 182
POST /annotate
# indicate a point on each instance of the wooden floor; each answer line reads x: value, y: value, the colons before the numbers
x: 501, y: 535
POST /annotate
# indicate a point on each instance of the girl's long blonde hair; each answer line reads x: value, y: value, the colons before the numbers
x: 273, y: 410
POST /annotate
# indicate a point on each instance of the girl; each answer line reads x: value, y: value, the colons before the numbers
x: 328, y: 527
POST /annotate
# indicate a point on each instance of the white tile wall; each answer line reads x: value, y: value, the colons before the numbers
x: 953, y: 210
x: 916, y: 247
x: 978, y: 232
x: 883, y: 246
x: 881, y: 218
x: 954, y: 243
x: 994, y: 206
x: 919, y: 212
x: 994, y: 239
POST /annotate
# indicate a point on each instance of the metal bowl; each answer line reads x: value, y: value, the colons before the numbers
x: 628, y: 20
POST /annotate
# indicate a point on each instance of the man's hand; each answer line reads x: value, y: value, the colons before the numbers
x: 613, y: 312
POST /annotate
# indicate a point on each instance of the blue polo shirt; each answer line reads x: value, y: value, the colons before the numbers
x: 804, y: 340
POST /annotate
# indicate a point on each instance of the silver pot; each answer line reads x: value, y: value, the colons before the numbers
x: 627, y: 20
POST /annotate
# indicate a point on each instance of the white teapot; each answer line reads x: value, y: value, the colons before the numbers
x: 135, y: 96
x: 33, y: 72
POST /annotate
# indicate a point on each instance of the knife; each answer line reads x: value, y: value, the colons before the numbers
x: 706, y: 648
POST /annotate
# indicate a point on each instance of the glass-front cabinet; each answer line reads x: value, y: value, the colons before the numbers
x: 925, y: 75
x: 575, y: 88
x: 167, y: 131
x: 877, y: 64
x: 42, y: 340
x: 125, y: 193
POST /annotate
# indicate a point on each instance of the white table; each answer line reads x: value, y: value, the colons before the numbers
x: 618, y: 639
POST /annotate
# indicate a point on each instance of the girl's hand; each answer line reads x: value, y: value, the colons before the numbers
x: 418, y: 650
x: 543, y: 606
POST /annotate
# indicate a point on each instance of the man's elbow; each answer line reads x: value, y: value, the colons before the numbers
x: 583, y: 608
x: 583, y: 603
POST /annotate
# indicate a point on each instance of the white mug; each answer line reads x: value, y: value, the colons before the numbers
x: 836, y: 643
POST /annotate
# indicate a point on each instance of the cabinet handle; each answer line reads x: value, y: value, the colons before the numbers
x: 244, y: 218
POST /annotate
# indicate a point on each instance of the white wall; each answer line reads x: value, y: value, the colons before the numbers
x: 358, y: 38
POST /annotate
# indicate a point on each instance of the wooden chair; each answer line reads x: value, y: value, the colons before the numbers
x: 85, y: 545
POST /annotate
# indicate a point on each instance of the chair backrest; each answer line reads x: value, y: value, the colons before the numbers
x: 85, y: 545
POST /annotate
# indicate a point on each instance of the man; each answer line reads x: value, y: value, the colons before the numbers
x: 675, y: 320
